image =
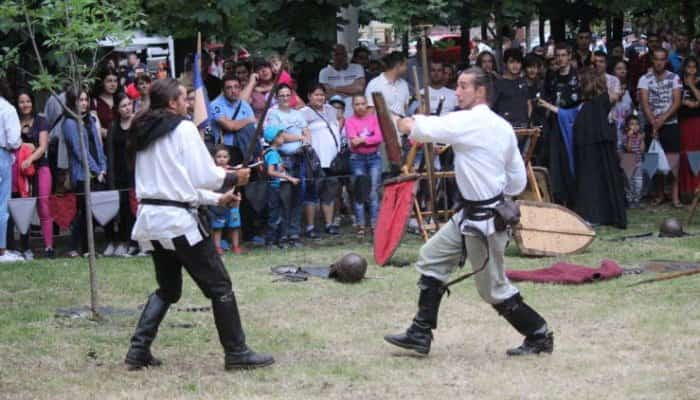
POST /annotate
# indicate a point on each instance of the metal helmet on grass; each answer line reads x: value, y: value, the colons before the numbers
x: 349, y: 268
x: 671, y: 227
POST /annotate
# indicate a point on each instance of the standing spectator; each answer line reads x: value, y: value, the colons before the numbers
x: 696, y: 46
x: 598, y: 185
x: 35, y: 131
x: 600, y: 65
x: 582, y: 55
x: 119, y: 176
x: 660, y: 98
x: 640, y: 64
x: 689, y: 118
x: 634, y: 144
x: 233, y: 116
x: 143, y: 83
x: 365, y: 136
x: 390, y: 84
x: 534, y: 76
x: 342, y: 78
x: 104, y: 105
x: 450, y: 76
x: 226, y: 218
x: 563, y: 90
x: 624, y: 107
x: 680, y: 53
x: 322, y: 119
x: 10, y: 139
x: 511, y: 99
x: 438, y: 92
x: 242, y: 70
x: 134, y: 67
x: 361, y: 55
x: 277, y: 209
x: 486, y: 61
x: 259, y: 87
x: 296, y: 135
x: 103, y: 102
x: 96, y: 159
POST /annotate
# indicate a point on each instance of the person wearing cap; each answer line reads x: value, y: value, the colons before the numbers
x: 342, y: 78
x: 277, y: 212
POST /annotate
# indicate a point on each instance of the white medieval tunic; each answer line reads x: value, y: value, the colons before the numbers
x: 164, y: 172
x: 487, y: 163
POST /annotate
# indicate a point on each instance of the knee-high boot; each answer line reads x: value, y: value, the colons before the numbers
x: 139, y: 354
x: 419, y: 335
x: 538, y: 338
x: 228, y: 324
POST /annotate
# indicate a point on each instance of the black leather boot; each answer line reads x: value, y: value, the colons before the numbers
x: 228, y: 324
x: 139, y: 354
x: 538, y: 338
x: 419, y: 335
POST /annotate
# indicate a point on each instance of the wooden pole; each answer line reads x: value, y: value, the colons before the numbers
x: 428, y: 149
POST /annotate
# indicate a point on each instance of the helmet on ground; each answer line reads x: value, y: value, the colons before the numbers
x: 349, y: 268
x: 671, y: 227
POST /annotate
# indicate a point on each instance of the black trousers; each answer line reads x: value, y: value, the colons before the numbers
x: 201, y: 262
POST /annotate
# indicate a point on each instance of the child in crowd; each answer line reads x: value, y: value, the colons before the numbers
x: 634, y: 144
x: 225, y: 218
x: 278, y: 212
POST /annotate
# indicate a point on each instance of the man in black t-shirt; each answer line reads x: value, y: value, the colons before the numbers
x: 512, y: 99
x: 562, y: 86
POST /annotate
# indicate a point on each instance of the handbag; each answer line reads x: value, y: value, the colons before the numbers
x: 663, y: 165
x: 340, y: 165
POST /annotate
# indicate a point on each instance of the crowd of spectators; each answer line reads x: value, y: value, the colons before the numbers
x: 633, y: 93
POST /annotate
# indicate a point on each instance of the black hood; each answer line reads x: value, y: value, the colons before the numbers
x: 151, y: 126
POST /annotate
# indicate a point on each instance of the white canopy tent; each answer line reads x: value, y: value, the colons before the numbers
x: 139, y: 41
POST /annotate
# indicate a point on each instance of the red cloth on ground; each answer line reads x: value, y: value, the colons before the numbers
x: 21, y: 178
x: 690, y: 141
x: 566, y: 273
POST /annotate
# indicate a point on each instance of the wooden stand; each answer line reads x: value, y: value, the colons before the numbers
x: 532, y: 135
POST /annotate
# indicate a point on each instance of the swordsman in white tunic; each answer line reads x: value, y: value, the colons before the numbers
x: 174, y: 175
x: 489, y: 170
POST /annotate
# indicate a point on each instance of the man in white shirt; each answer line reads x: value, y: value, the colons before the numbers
x: 488, y: 167
x: 174, y: 174
x: 438, y: 92
x: 342, y: 78
x: 10, y: 140
x: 391, y: 85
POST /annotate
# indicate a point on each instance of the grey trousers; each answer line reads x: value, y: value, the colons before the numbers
x: 440, y: 255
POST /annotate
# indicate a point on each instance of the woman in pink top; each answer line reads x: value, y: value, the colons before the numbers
x: 364, y: 137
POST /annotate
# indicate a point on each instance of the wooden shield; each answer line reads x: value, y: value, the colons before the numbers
x: 389, y: 134
x: 548, y: 229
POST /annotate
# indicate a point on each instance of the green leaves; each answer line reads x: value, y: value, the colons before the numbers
x: 65, y: 34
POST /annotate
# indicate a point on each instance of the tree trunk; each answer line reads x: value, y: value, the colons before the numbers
x: 88, y: 219
x: 464, y: 39
x: 498, y: 21
x: 404, y: 43
x: 558, y: 28
x: 689, y: 15
x: 618, y: 23
x: 542, y: 22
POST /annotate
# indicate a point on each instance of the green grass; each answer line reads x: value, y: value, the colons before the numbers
x: 612, y: 341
